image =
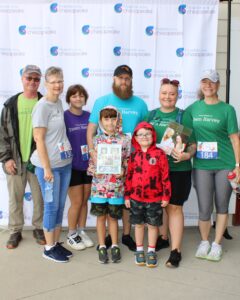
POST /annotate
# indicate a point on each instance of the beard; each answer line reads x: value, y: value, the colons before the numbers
x: 122, y: 93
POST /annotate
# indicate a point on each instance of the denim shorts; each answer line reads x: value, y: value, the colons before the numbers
x: 146, y: 213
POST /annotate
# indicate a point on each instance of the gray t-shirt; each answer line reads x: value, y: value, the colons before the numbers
x: 50, y: 115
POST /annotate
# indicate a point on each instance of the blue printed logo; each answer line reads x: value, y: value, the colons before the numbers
x: 54, y: 7
x: 148, y: 73
x: 179, y: 93
x: 1, y: 214
x: 28, y: 196
x: 54, y: 51
x: 118, y: 8
x: 85, y: 72
x: 22, y: 29
x: 149, y: 30
x: 180, y: 52
x: 182, y: 9
x: 85, y: 29
x: 117, y: 51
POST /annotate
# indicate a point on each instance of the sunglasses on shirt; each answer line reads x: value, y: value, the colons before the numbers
x: 168, y: 81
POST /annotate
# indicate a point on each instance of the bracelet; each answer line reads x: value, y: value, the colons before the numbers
x: 237, y: 165
x: 91, y: 150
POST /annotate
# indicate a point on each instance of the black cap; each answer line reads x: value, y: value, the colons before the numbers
x: 123, y: 69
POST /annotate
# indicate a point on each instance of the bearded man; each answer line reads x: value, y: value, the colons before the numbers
x: 133, y: 110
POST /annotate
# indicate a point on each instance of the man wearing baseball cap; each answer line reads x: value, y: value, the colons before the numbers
x: 133, y: 110
x: 16, y: 147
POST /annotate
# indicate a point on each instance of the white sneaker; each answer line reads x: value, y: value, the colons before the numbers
x: 75, y: 242
x: 203, y: 249
x: 86, y: 239
x: 215, y: 253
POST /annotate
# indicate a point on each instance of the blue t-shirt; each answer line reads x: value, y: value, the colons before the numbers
x: 133, y: 110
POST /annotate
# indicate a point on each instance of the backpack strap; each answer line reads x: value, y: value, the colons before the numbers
x: 179, y: 116
x: 151, y: 115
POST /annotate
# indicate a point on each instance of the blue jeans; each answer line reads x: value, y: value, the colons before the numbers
x: 53, y: 211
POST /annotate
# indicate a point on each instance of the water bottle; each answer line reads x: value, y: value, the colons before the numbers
x: 232, y: 179
x: 48, y: 190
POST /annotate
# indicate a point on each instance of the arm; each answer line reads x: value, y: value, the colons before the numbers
x: 236, y: 149
x: 91, y: 132
x: 181, y: 156
x: 39, y: 137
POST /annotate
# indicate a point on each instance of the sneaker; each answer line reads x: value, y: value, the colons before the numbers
x: 108, y: 242
x: 75, y: 242
x: 226, y: 235
x: 203, y: 249
x: 151, y: 261
x: 116, y: 255
x: 38, y: 234
x: 161, y: 243
x: 86, y: 239
x: 63, y: 250
x: 140, y: 259
x: 102, y: 255
x: 55, y: 255
x: 215, y: 253
x: 174, y: 259
x: 14, y: 240
x: 128, y: 241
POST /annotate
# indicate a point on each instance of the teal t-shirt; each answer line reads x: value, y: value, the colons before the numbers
x: 213, y: 124
x: 133, y: 110
x: 160, y: 122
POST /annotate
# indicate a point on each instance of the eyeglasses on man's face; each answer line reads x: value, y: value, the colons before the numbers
x: 30, y: 78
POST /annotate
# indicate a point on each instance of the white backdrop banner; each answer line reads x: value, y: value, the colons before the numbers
x: 88, y: 39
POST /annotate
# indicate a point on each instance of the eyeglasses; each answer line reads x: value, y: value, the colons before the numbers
x: 30, y: 78
x: 55, y: 82
x: 146, y: 135
x: 168, y: 81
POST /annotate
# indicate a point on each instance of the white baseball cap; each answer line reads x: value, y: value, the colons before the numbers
x: 211, y: 75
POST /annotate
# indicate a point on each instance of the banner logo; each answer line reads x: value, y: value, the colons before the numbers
x: 54, y: 7
x: 85, y: 72
x: 148, y: 73
x: 85, y: 29
x: 28, y: 196
x: 149, y: 30
x: 182, y: 9
x: 22, y: 29
x: 117, y: 51
x: 180, y: 52
x: 54, y: 51
x: 118, y: 8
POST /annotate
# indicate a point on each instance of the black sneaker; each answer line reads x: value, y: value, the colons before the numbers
x: 174, y: 259
x: 161, y: 243
x: 226, y: 235
x: 116, y: 254
x: 55, y: 255
x: 108, y: 242
x: 14, y: 240
x: 102, y: 255
x: 63, y: 250
x: 128, y: 241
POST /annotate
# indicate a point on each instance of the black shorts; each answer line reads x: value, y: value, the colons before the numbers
x: 181, y: 186
x: 80, y: 177
x: 103, y: 209
x: 146, y: 213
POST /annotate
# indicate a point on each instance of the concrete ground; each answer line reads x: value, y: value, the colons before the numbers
x: 26, y: 275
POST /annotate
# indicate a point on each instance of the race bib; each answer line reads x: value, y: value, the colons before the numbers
x: 65, y: 150
x: 84, y: 151
x: 207, y: 150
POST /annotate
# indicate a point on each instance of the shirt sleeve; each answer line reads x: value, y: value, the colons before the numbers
x: 94, y: 116
x: 40, y: 115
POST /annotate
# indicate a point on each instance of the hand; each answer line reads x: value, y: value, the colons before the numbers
x: 11, y: 167
x: 48, y: 175
x: 180, y: 156
x: 164, y: 203
x: 120, y: 175
x: 237, y: 172
x: 127, y: 203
